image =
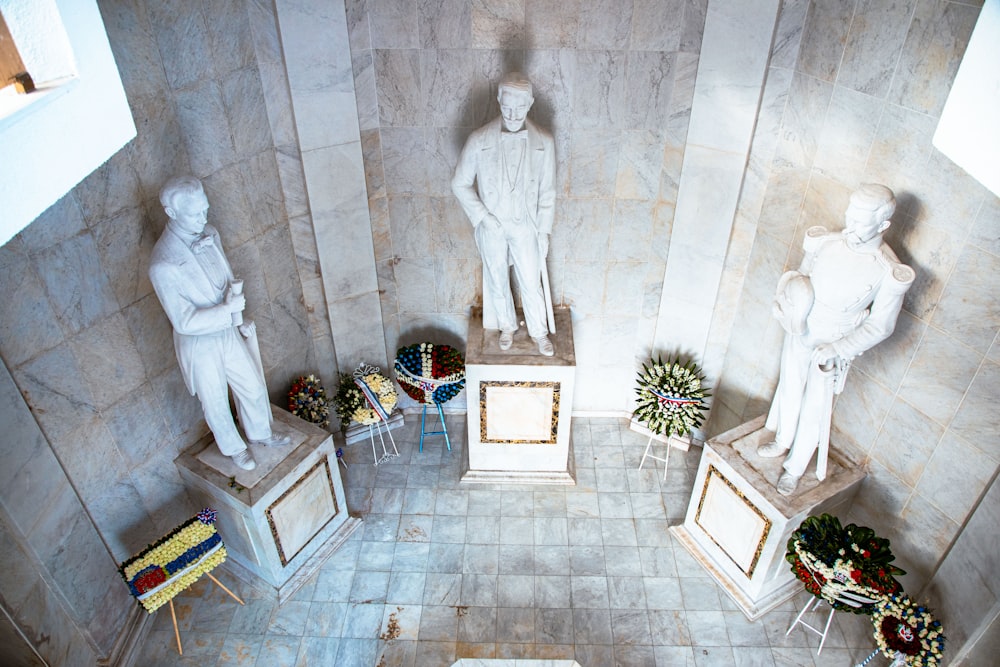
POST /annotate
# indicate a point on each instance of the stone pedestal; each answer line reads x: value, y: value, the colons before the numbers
x: 282, y: 520
x: 520, y: 406
x: 737, y: 524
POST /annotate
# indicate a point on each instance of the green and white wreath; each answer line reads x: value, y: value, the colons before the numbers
x: 671, y: 396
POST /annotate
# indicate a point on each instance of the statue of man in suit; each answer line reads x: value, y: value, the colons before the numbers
x: 505, y: 182
x: 216, y: 350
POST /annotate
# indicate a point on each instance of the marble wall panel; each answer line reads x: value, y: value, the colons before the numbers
x: 788, y: 33
x: 640, y: 156
x: 657, y: 25
x: 358, y: 25
x: 155, y: 155
x: 440, y: 156
x: 278, y: 103
x: 400, y: 100
x: 243, y: 97
x: 890, y: 360
x: 205, y: 127
x: 133, y: 40
x: 650, y: 72
x: 363, y: 65
x: 452, y: 233
x: 415, y: 284
x: 604, y: 24
x: 583, y: 230
x: 109, y: 360
x: 906, y: 441
x: 264, y: 193
x: 860, y: 412
x: 315, y: 59
x: 944, y: 196
x: 115, y: 187
x: 823, y: 38
x: 902, y: 144
x: 31, y: 311
x: 137, y: 426
x: 873, y: 45
x: 553, y: 24
x: 402, y: 160
x: 392, y: 24
x: 985, y: 233
x: 808, y: 101
x: 956, y: 476
x: 497, y: 24
x: 847, y: 135
x: 378, y: 209
x: 412, y: 236
x: 939, y: 375
x: 599, y: 89
x: 264, y: 32
x: 179, y: 408
x: 184, y: 41
x: 577, y: 283
x: 632, y: 233
x: 230, y: 36
x: 385, y: 271
x: 975, y: 420
x: 54, y: 388
x: 969, y: 309
x: 284, y: 342
x: 457, y: 283
x: 277, y: 254
x: 293, y: 186
x: 355, y: 344
x: 882, y: 494
x: 937, y: 37
x: 125, y: 243
x: 623, y: 292
x: 923, y: 536
x: 444, y: 24
x: 591, y: 163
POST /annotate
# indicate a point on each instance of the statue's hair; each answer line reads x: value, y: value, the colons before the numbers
x: 516, y: 83
x: 875, y: 197
x: 177, y: 188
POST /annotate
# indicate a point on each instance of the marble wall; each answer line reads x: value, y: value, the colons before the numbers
x: 853, y: 93
x: 613, y: 83
x: 81, y: 331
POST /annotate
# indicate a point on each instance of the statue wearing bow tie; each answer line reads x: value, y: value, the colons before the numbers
x: 505, y: 182
x: 216, y: 350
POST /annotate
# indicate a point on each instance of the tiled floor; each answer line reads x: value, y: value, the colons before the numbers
x: 442, y: 570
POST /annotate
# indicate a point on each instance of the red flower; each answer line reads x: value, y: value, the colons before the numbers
x: 856, y: 576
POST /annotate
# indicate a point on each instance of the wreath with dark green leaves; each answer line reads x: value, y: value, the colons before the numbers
x: 838, y: 563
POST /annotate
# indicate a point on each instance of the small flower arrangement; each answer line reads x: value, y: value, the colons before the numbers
x: 430, y: 373
x: 671, y: 396
x: 366, y: 396
x: 848, y: 567
x: 903, y: 627
x: 164, y: 569
x: 307, y: 400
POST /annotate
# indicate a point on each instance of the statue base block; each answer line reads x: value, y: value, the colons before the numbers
x: 520, y: 407
x: 284, y: 519
x: 737, y: 524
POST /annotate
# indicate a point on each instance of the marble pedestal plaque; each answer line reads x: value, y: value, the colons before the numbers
x: 520, y: 406
x: 282, y: 520
x: 737, y: 524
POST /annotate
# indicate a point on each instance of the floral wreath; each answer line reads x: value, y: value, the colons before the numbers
x: 307, y: 400
x: 903, y: 628
x: 671, y: 396
x: 366, y: 396
x: 848, y: 567
x: 430, y: 373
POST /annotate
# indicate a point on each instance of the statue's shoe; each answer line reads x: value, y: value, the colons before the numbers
x: 506, y: 339
x: 273, y: 441
x: 545, y: 346
x: 787, y: 483
x: 771, y: 450
x: 244, y: 460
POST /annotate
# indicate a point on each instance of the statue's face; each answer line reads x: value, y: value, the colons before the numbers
x: 191, y: 212
x: 862, y: 224
x: 514, y: 107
